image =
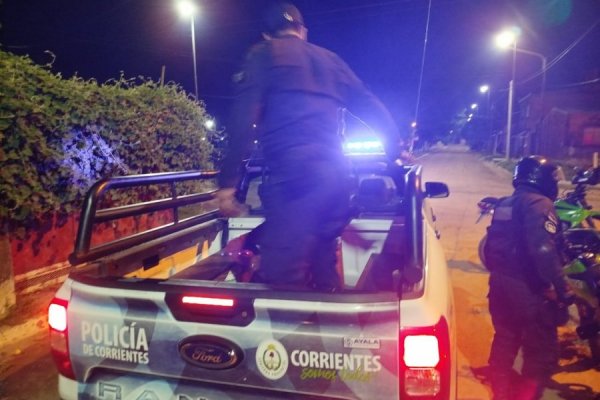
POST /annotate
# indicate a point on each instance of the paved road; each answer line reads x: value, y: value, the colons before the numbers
x: 469, y: 180
x: 27, y: 372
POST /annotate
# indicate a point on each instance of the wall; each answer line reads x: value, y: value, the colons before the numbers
x: 7, y: 284
x: 40, y: 257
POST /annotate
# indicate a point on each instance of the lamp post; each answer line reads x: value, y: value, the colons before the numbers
x: 485, y: 89
x: 186, y: 9
x: 413, y: 136
x: 544, y: 62
x: 504, y: 40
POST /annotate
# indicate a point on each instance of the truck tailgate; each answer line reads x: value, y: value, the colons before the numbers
x: 154, y: 340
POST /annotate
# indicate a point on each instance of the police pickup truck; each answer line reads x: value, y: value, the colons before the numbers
x: 169, y: 312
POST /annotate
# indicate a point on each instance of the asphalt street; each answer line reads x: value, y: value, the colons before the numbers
x: 470, y: 179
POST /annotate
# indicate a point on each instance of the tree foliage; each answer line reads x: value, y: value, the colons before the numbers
x: 58, y: 136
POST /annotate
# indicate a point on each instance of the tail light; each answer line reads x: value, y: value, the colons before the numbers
x: 425, y: 362
x: 59, y: 336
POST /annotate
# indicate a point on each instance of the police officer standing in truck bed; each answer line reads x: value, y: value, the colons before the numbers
x: 293, y: 92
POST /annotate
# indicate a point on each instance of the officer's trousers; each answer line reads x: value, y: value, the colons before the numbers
x: 522, y: 320
x: 303, y: 219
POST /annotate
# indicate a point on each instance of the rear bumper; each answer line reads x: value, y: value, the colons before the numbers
x: 67, y: 388
x: 132, y: 386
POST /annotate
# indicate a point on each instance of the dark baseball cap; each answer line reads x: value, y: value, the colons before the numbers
x: 281, y: 16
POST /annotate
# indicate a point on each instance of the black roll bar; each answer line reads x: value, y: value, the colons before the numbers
x: 414, y: 217
x: 90, y: 215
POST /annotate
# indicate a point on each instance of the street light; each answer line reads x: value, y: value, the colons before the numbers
x: 544, y: 62
x: 485, y: 89
x: 186, y: 9
x: 413, y: 136
x: 506, y: 39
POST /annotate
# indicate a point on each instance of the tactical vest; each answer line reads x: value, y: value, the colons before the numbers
x: 503, y: 246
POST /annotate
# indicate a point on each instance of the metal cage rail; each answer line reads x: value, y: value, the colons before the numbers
x: 91, y: 215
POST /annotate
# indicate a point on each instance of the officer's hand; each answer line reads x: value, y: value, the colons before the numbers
x: 228, y: 205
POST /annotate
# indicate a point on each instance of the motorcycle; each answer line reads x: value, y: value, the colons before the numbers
x: 581, y: 251
x: 573, y: 209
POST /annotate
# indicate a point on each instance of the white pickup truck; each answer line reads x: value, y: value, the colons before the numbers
x: 169, y: 312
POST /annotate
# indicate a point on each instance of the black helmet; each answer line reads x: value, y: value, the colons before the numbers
x: 281, y: 16
x: 540, y: 173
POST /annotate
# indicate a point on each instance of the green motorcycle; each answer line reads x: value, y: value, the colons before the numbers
x: 573, y: 209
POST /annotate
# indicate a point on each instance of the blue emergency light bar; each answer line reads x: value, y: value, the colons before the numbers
x: 364, y: 147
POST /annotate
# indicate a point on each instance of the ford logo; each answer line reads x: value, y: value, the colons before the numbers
x: 210, y: 352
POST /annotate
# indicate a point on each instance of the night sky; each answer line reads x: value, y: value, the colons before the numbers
x: 381, y: 40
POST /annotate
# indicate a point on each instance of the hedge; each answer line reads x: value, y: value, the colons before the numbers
x: 58, y: 136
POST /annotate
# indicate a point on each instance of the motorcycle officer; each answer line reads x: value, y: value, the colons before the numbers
x: 292, y: 92
x: 528, y: 293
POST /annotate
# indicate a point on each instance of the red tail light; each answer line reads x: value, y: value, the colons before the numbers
x: 421, y: 351
x: 425, y: 362
x: 59, y: 336
x: 211, y: 308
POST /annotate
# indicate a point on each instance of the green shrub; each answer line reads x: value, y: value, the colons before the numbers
x: 58, y: 136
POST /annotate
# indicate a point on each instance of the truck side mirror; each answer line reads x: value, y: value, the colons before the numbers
x: 436, y: 190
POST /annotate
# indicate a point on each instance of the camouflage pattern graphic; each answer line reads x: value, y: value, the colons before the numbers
x: 341, y: 349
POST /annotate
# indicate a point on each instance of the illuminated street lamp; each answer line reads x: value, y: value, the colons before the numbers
x: 413, y: 136
x: 508, y: 39
x: 188, y: 9
x: 485, y: 89
x: 504, y: 40
x: 474, y: 106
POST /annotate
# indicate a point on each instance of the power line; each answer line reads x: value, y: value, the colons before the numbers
x: 576, y: 84
x: 562, y: 54
x: 423, y: 61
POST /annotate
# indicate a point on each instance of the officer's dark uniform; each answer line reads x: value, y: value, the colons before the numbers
x: 293, y: 91
x: 521, y: 253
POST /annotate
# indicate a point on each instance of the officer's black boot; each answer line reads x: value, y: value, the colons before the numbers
x: 501, y: 385
x: 528, y: 389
